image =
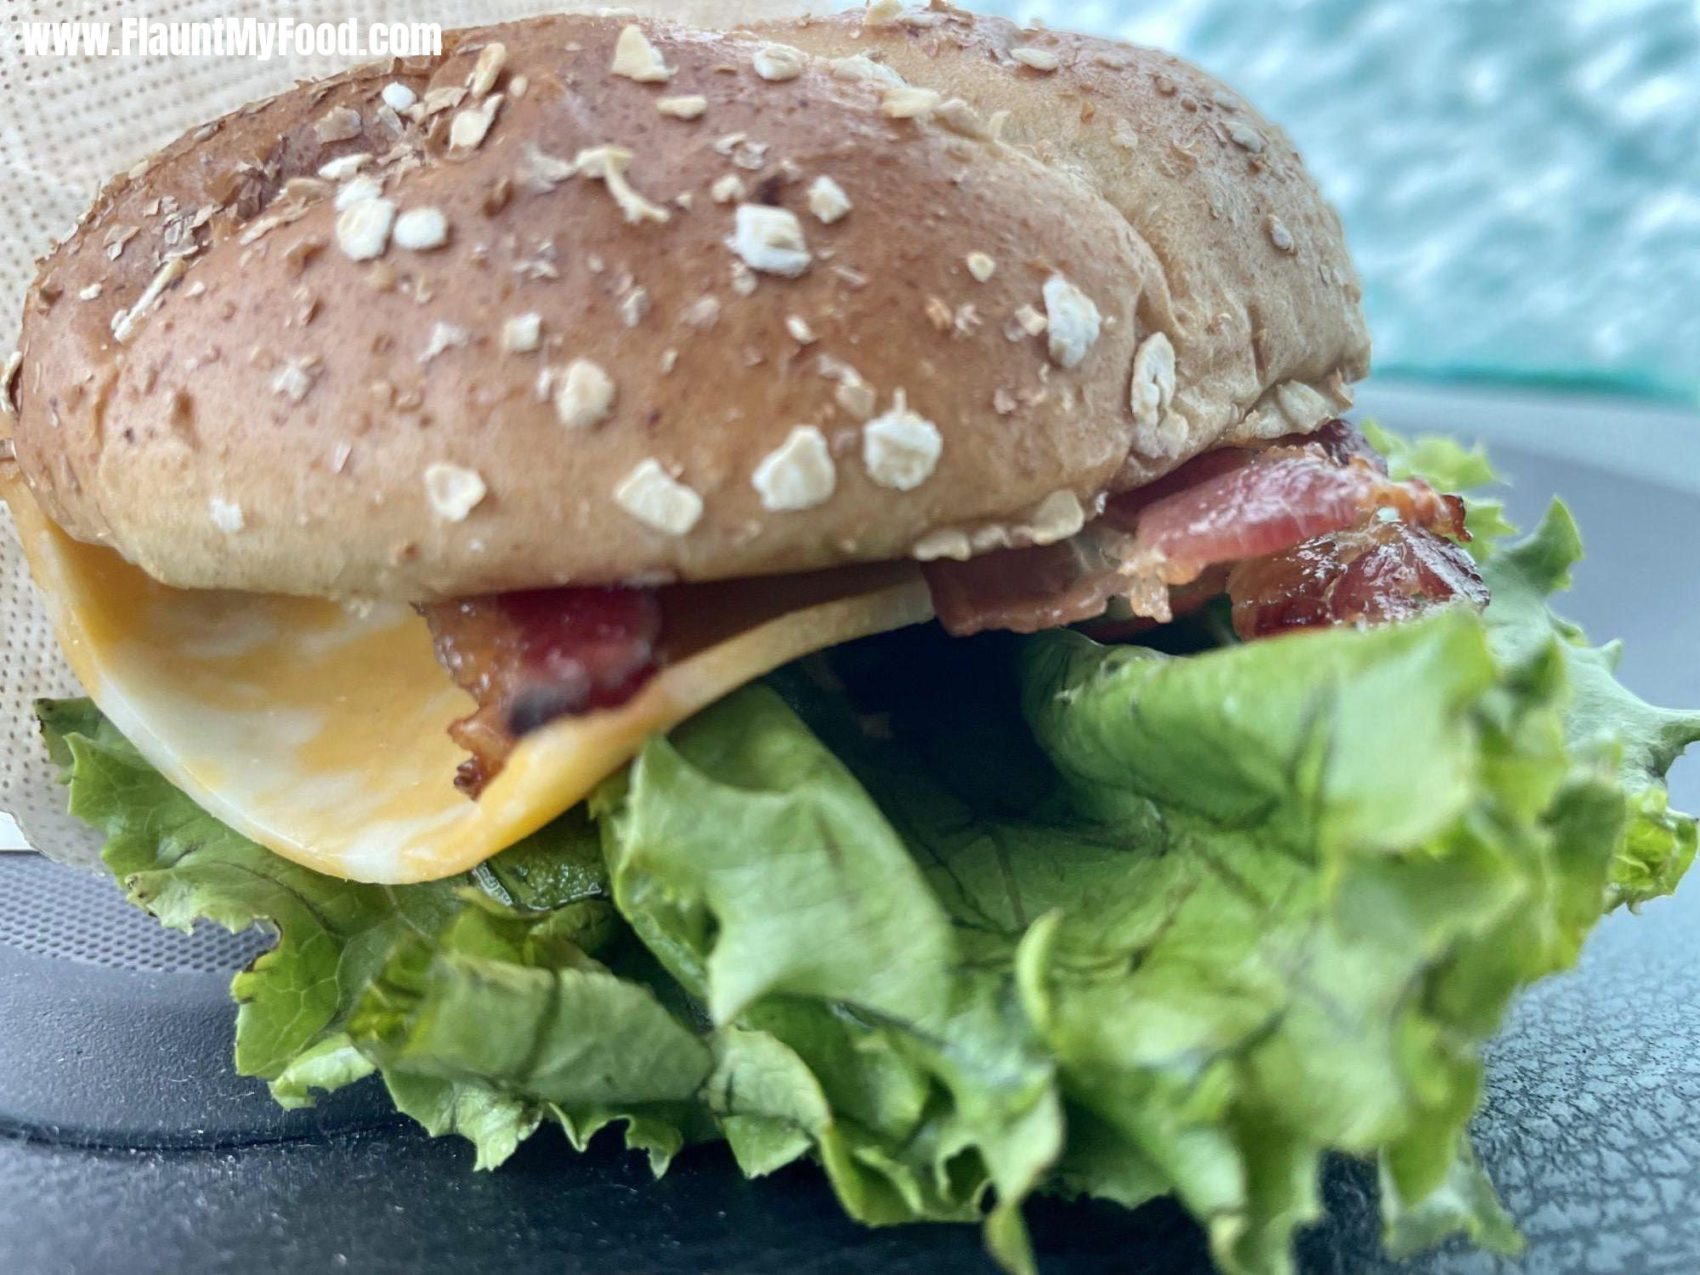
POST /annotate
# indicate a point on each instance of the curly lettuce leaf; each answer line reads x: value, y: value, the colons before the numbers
x: 1221, y: 918
x: 764, y: 877
x: 960, y: 921
x: 1242, y: 940
x: 501, y: 1018
x: 340, y: 945
x: 1317, y: 950
x: 182, y: 865
x: 1604, y: 718
x: 1660, y: 844
x: 753, y: 865
x: 1447, y: 465
x: 1464, y: 1203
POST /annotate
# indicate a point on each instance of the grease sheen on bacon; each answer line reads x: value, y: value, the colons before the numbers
x: 1382, y: 571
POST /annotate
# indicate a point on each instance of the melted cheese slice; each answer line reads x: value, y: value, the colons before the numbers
x: 321, y: 733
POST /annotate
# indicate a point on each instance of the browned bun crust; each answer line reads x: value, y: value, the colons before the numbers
x: 213, y: 385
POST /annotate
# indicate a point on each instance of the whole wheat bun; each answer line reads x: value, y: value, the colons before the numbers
x: 215, y: 386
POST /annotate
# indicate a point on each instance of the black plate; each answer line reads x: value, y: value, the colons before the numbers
x: 133, y: 1148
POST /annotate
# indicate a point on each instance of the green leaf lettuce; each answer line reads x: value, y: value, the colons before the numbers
x: 965, y: 920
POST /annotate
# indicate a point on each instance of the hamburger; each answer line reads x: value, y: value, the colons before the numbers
x: 808, y: 586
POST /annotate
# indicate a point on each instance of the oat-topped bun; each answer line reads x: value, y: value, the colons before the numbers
x: 591, y: 300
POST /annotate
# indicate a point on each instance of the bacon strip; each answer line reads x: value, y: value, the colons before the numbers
x: 1304, y: 531
x: 1372, y: 574
x: 1269, y: 503
x: 1043, y: 587
x: 530, y: 657
x: 1222, y: 508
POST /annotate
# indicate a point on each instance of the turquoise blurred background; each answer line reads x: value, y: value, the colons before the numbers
x: 1520, y: 179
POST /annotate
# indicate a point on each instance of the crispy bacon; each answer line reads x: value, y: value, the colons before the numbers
x: 1028, y: 590
x: 1266, y: 505
x: 1382, y: 571
x: 1301, y: 532
x: 530, y: 657
x: 1223, y: 507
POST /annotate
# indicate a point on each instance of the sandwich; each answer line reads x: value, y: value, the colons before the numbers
x: 810, y: 586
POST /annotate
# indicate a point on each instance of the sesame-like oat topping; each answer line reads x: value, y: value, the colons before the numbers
x: 863, y: 68
x: 1245, y: 136
x: 657, y: 499
x: 777, y: 62
x: 226, y: 515
x: 910, y: 103
x: 540, y: 172
x: 961, y: 118
x: 453, y: 490
x: 637, y: 59
x: 469, y: 128
x: 608, y: 164
x: 491, y: 59
x: 703, y: 313
x: 856, y: 397
x: 798, y: 474
x: 357, y: 191
x: 115, y: 239
x: 687, y: 107
x: 584, y: 394
x: 421, y: 229
x: 294, y: 379
x: 901, y: 448
x: 881, y: 13
x: 124, y: 322
x: 634, y: 306
x: 770, y: 240
x: 344, y: 167
x: 948, y: 542
x: 1027, y: 322
x: 339, y: 124
x: 827, y: 200
x: 1072, y: 321
x: 1153, y: 388
x: 1057, y: 517
x: 444, y: 337
x: 523, y: 333
x: 1042, y: 60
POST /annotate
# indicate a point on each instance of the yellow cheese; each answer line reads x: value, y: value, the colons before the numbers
x: 321, y: 733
